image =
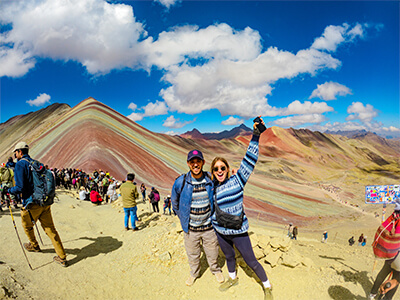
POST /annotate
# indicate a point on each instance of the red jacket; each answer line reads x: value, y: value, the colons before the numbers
x: 95, y: 197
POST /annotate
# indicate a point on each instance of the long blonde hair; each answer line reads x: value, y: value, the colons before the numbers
x: 215, y: 160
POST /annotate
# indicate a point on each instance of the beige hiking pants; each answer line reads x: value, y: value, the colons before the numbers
x: 193, y: 241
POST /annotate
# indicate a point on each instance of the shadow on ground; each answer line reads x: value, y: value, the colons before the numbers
x: 99, y: 245
x: 338, y: 292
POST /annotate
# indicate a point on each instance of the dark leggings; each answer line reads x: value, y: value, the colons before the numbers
x: 243, y: 244
x: 383, y: 273
x: 155, y: 207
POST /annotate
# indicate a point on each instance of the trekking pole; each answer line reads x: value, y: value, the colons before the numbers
x: 19, y: 239
x: 35, y: 224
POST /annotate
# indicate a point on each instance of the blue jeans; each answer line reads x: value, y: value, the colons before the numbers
x: 130, y: 212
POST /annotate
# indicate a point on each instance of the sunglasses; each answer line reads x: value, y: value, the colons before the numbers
x: 223, y: 168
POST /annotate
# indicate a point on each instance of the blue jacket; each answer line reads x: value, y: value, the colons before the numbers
x: 23, y: 180
x: 181, y: 203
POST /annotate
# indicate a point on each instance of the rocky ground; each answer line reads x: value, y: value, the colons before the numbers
x: 107, y: 262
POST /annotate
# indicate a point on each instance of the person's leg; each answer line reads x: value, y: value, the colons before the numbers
x: 193, y: 251
x: 227, y: 248
x: 134, y: 217
x: 28, y: 225
x: 380, y: 278
x: 210, y: 246
x: 46, y: 220
x: 158, y: 209
x: 243, y: 244
x: 126, y: 220
x: 389, y: 295
x: 154, y: 207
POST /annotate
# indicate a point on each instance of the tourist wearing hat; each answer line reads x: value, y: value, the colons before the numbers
x: 191, y: 199
x: 31, y: 210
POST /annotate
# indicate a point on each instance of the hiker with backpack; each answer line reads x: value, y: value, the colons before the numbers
x: 229, y: 219
x: 36, y: 200
x: 154, y: 199
x: 191, y: 198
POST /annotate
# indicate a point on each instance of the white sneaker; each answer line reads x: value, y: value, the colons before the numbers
x: 219, y: 277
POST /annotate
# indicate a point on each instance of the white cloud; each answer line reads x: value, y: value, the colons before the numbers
x: 232, y: 121
x: 171, y: 132
x: 357, y: 111
x: 329, y: 91
x: 14, y: 62
x: 339, y: 126
x: 151, y: 109
x: 391, y: 129
x: 132, y: 106
x: 306, y: 108
x: 171, y: 122
x: 167, y: 3
x: 99, y: 35
x: 216, y: 67
x: 238, y: 88
x: 218, y: 42
x: 155, y: 109
x: 300, y: 120
x: 333, y: 36
x: 135, y: 116
x: 40, y: 100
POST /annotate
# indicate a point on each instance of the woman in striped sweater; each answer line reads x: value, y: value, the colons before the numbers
x: 228, y: 193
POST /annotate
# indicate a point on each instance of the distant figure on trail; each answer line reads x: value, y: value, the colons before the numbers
x: 290, y: 229
x: 31, y: 210
x: 167, y: 204
x: 360, y: 239
x: 143, y: 191
x: 154, y: 199
x: 364, y: 242
x: 129, y: 196
x: 295, y: 233
x: 95, y: 197
x: 324, y: 236
x: 192, y: 201
x: 351, y: 241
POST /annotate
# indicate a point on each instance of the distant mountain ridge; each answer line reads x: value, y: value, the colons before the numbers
x: 226, y: 134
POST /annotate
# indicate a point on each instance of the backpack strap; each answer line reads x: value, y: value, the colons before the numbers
x: 183, y: 184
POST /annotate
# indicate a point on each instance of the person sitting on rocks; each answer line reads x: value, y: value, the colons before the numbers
x: 95, y: 197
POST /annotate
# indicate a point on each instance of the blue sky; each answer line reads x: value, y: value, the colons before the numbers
x: 172, y: 66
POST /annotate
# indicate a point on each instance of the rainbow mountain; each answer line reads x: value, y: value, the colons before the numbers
x: 301, y: 175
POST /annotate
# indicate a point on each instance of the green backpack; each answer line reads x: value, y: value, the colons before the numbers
x: 6, y: 175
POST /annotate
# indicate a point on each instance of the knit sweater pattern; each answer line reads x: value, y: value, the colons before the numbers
x: 229, y: 195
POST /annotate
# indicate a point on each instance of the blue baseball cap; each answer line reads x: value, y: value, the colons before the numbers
x: 195, y: 154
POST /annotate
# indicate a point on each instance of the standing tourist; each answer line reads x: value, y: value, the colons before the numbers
x: 32, y: 210
x: 129, y: 195
x: 191, y: 199
x: 228, y: 197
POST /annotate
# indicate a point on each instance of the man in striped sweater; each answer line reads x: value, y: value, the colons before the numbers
x: 191, y: 199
